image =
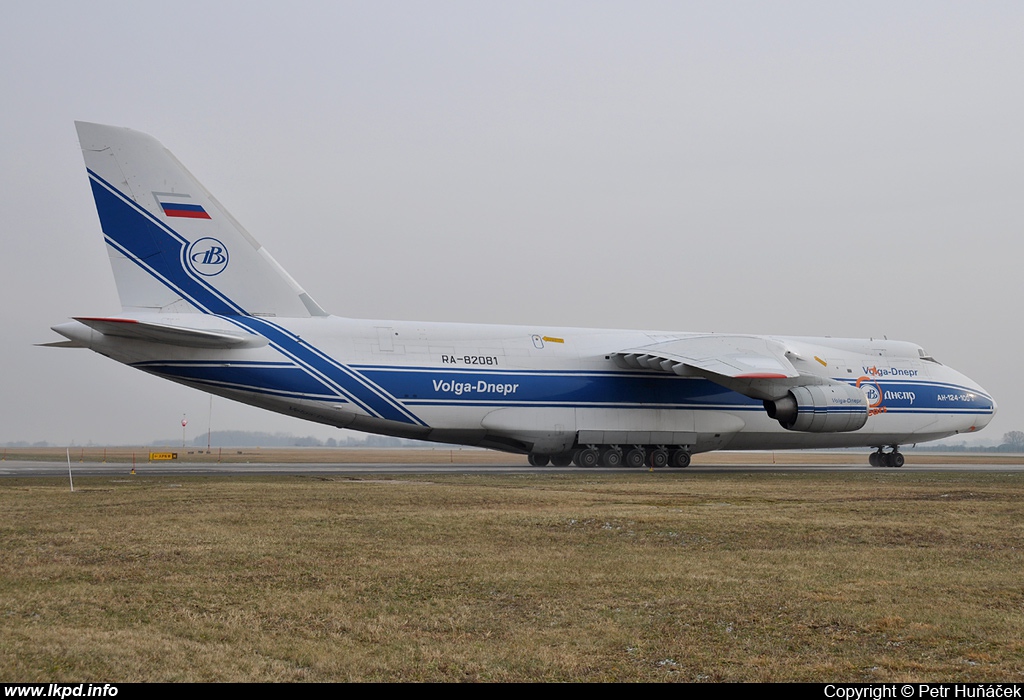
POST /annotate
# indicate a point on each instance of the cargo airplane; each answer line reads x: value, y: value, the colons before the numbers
x: 205, y: 305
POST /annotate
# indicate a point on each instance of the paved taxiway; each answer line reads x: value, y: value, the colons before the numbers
x: 17, y: 468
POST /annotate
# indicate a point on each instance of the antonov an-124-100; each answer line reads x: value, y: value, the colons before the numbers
x: 205, y: 305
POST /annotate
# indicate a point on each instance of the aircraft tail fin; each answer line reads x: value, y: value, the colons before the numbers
x: 173, y: 247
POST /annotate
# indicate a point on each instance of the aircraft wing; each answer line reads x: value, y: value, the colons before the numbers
x: 751, y: 365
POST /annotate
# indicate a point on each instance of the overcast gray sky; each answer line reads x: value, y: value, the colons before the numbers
x: 799, y: 168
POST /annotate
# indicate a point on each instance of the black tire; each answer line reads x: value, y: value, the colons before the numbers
x: 897, y: 459
x: 561, y: 460
x: 611, y: 457
x: 657, y: 458
x: 873, y: 459
x: 634, y: 458
x: 588, y: 458
x: 537, y: 460
x: 680, y: 459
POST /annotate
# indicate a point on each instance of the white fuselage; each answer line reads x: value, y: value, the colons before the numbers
x: 540, y: 389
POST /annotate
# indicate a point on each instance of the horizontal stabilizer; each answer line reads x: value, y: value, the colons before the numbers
x: 172, y: 335
x: 61, y: 344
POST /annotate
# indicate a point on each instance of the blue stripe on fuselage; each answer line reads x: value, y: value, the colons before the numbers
x: 313, y: 360
x: 276, y: 377
x: 926, y: 396
x: 442, y: 386
x: 496, y: 387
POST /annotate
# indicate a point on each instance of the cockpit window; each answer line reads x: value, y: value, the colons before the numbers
x: 926, y: 357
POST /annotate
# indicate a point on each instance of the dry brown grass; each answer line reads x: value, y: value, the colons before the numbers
x: 878, y: 576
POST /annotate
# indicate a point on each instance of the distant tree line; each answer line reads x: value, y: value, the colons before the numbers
x: 1013, y: 441
x: 245, y: 438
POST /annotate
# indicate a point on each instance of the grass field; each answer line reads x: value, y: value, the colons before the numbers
x: 866, y: 576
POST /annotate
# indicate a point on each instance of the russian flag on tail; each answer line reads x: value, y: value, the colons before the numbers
x: 178, y: 205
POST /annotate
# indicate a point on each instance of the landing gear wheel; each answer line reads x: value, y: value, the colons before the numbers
x: 634, y: 458
x: 896, y: 459
x: 875, y: 459
x: 611, y: 457
x: 587, y: 457
x: 561, y: 460
x: 680, y: 459
x: 537, y: 460
x: 657, y: 458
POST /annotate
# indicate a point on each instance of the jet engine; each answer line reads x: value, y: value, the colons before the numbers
x: 820, y: 408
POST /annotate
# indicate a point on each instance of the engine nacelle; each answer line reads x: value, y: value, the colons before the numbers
x: 821, y: 408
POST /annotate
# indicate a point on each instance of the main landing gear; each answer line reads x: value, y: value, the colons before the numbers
x: 887, y: 459
x: 632, y: 456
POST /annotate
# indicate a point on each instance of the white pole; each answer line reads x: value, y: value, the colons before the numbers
x: 70, y: 480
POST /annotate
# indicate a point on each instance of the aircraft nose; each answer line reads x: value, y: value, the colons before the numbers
x: 985, y: 417
x: 969, y: 399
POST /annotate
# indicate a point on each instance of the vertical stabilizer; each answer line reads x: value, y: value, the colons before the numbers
x: 173, y: 247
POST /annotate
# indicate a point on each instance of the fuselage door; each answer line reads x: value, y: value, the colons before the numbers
x: 386, y: 338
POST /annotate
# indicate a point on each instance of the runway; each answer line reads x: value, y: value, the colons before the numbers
x: 25, y: 468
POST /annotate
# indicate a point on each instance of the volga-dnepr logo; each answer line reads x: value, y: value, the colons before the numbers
x: 207, y: 256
